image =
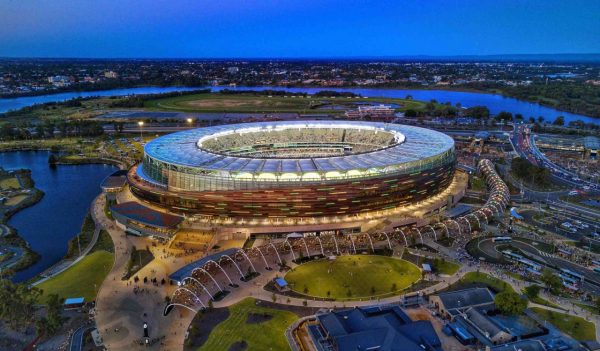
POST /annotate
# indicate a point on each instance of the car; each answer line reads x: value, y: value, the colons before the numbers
x: 573, y: 192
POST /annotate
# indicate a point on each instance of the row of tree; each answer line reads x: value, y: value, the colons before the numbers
x: 19, y: 306
x: 51, y: 128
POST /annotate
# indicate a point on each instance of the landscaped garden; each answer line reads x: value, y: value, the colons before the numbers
x: 250, y: 326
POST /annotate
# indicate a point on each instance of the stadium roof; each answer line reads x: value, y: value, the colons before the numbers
x: 142, y: 214
x: 182, y: 149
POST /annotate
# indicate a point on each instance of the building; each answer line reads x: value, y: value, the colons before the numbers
x: 378, y: 112
x: 73, y: 303
x: 140, y: 220
x: 59, y: 81
x: 113, y: 184
x: 306, y: 171
x: 372, y: 328
x: 111, y: 75
x: 591, y: 145
x: 452, y: 303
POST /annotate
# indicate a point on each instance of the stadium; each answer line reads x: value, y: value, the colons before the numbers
x: 294, y: 169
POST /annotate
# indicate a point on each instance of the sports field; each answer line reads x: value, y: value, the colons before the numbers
x: 353, y: 277
x: 250, y: 103
x: 249, y: 324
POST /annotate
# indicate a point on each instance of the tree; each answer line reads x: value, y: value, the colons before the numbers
x: 17, y: 303
x: 551, y: 280
x: 478, y: 112
x: 532, y: 291
x: 510, y: 303
x: 559, y: 121
x: 53, y: 315
x: 504, y: 116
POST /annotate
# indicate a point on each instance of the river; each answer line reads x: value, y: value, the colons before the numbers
x: 494, y: 102
x: 49, y: 224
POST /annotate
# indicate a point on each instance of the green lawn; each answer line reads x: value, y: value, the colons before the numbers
x: 266, y: 335
x: 82, y: 279
x: 444, y: 267
x: 216, y: 102
x: 494, y: 283
x: 544, y: 302
x: 577, y: 327
x: 353, y: 277
x: 589, y: 308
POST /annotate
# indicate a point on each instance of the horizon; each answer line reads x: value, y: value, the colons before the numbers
x: 527, y: 57
x: 332, y: 29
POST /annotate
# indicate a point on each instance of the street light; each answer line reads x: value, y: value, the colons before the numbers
x: 141, y: 124
x: 189, y: 120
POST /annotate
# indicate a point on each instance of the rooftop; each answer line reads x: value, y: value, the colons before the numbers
x: 461, y: 299
x: 382, y: 328
x: 137, y: 212
x: 412, y: 144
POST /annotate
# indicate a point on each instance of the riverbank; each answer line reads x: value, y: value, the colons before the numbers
x: 17, y: 195
x: 466, y: 96
x: 67, y: 94
x: 59, y: 215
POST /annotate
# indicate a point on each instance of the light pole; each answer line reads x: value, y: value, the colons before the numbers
x: 141, y: 125
x: 190, y: 121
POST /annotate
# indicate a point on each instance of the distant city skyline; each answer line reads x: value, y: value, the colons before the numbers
x: 296, y: 29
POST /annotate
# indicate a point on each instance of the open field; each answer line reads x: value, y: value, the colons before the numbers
x: 577, y: 327
x: 260, y: 328
x: 353, y: 277
x: 482, y: 278
x: 251, y: 103
x: 82, y: 279
x: 444, y: 267
x: 9, y: 183
x: 15, y: 200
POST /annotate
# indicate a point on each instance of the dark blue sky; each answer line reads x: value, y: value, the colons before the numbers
x: 296, y: 28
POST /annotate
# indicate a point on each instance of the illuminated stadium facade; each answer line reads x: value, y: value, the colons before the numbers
x: 307, y: 169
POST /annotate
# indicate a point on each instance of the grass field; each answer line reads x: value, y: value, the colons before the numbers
x: 215, y: 102
x: 353, y: 277
x: 15, y: 200
x: 444, y: 267
x: 577, y: 327
x: 82, y: 279
x: 494, y: 283
x: 266, y: 335
x: 9, y: 183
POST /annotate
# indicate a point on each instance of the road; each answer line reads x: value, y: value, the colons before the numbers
x: 77, y: 338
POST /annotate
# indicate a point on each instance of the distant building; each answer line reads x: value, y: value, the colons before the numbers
x: 111, y: 75
x: 591, y: 145
x: 233, y: 70
x: 378, y: 112
x: 59, y: 81
x: 372, y: 328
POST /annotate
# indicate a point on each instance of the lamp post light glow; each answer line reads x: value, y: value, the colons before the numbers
x: 141, y: 124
